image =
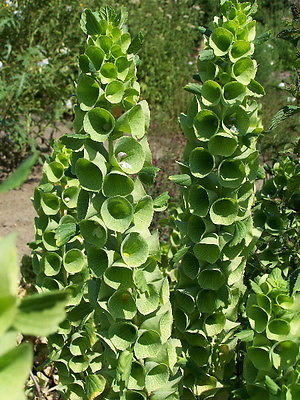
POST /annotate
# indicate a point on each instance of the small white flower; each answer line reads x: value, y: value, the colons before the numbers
x: 69, y: 104
x: 190, y: 63
x: 69, y: 8
x: 1, y: 64
x: 124, y: 164
x: 121, y: 155
x: 64, y: 50
x: 45, y: 61
x: 281, y: 85
x: 290, y: 99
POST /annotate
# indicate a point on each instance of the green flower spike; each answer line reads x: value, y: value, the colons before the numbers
x: 93, y: 238
x: 216, y: 229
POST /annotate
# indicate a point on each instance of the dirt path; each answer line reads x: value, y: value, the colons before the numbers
x: 17, y: 213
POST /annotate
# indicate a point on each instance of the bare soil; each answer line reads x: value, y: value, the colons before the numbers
x: 17, y: 213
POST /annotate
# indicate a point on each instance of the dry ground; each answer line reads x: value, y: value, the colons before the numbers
x: 17, y: 213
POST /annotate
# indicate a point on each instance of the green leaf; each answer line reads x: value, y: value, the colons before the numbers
x: 136, y: 44
x: 40, y: 314
x: 117, y: 213
x: 194, y: 88
x: 160, y: 203
x: 134, y: 249
x: 282, y: 115
x: 8, y: 309
x: 9, y: 271
x: 90, y: 23
x: 94, y: 386
x: 143, y: 213
x: 180, y: 253
x: 182, y: 180
x: 15, y: 366
x: 245, y: 335
x: 272, y: 386
x: 124, y: 366
x: 122, y: 335
x: 264, y: 37
x: 240, y: 232
x: 121, y: 305
x: 74, y: 261
x: 148, y: 174
x: 294, y: 281
x: 206, y: 55
x: 147, y: 345
x: 65, y: 230
x: 260, y: 358
x: 22, y: 173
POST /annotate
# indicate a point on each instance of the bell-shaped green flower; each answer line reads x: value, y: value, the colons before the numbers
x: 219, y: 168
x: 93, y: 237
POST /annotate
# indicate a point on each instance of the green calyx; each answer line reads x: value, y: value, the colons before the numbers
x: 215, y: 226
x: 93, y: 237
x: 273, y: 317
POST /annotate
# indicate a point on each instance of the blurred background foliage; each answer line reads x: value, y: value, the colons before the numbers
x: 40, y: 44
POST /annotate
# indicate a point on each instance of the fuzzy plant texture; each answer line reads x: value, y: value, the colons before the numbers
x: 219, y: 168
x: 272, y: 361
x: 92, y: 233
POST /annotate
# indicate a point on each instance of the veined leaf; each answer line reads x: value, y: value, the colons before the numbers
x: 282, y: 115
x: 40, y: 314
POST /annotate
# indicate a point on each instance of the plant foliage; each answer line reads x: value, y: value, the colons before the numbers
x: 276, y: 214
x: 271, y: 366
x: 219, y: 167
x: 37, y: 315
x: 92, y: 232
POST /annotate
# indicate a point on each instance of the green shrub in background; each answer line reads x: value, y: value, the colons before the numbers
x: 41, y: 45
x: 277, y: 208
x: 278, y: 58
x: 277, y: 215
x: 38, y: 57
x: 272, y: 362
x: 219, y: 169
x: 171, y: 41
x: 92, y: 233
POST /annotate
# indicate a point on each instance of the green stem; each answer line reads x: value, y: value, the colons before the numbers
x: 110, y: 149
